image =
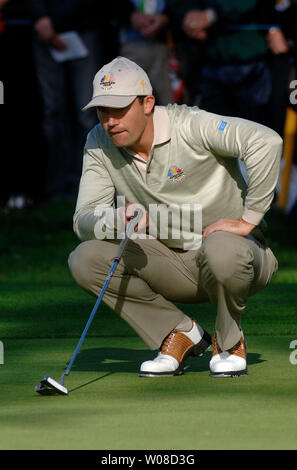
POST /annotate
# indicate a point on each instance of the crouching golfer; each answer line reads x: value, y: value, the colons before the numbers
x: 174, y: 160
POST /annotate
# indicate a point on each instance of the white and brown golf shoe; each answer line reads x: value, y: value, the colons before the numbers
x: 174, y: 351
x: 230, y: 363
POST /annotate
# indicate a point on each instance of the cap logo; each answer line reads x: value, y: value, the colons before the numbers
x: 107, y: 82
x: 143, y: 83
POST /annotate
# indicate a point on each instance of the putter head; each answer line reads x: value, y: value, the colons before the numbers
x: 49, y: 386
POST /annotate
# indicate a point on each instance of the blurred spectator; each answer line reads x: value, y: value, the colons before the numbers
x: 287, y: 18
x: 234, y: 77
x: 291, y: 217
x: 287, y: 13
x: 189, y: 52
x: 22, y: 162
x: 145, y: 42
x: 281, y: 44
x: 67, y: 86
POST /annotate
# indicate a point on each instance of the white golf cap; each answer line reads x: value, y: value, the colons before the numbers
x: 118, y: 83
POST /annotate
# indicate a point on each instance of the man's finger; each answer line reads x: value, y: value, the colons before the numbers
x: 58, y: 43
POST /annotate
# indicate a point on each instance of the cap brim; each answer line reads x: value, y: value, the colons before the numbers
x: 110, y: 101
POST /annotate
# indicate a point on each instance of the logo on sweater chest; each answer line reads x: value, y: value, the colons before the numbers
x: 175, y: 174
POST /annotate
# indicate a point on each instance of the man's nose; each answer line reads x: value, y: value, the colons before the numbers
x: 112, y: 120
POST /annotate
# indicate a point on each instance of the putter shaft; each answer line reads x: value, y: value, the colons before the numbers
x: 129, y: 231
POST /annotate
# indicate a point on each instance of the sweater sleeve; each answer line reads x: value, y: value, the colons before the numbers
x: 259, y: 147
x: 94, y: 211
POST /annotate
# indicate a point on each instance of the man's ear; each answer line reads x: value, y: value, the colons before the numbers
x: 149, y: 103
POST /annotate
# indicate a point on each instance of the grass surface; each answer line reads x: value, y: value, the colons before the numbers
x: 109, y: 407
x: 43, y: 313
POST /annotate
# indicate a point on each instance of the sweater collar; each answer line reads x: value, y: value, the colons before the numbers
x: 162, y: 128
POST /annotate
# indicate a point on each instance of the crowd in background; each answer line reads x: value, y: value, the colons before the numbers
x: 229, y: 57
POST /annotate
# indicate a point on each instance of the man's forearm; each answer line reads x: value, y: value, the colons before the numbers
x: 98, y: 223
x: 235, y: 226
x: 259, y: 147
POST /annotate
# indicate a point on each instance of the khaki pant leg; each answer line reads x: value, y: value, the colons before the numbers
x: 232, y: 268
x: 147, y: 280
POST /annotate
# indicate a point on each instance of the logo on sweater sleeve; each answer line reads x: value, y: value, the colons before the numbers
x: 222, y: 125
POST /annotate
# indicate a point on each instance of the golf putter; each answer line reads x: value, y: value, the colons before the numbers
x: 49, y: 386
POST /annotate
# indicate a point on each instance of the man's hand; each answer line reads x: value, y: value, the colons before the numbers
x: 127, y: 213
x: 277, y: 42
x: 157, y: 23
x: 47, y: 34
x: 3, y: 3
x: 195, y: 24
x: 236, y: 226
x: 140, y: 20
x: 148, y: 25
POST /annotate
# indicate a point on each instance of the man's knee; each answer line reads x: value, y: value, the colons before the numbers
x: 227, y: 257
x: 82, y: 262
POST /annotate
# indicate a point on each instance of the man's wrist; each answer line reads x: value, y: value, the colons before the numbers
x: 251, y: 216
x: 246, y: 222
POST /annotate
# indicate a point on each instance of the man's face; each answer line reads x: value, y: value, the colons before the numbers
x: 125, y: 126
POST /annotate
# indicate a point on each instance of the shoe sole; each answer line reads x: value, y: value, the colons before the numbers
x: 237, y: 373
x: 161, y: 374
x: 197, y: 351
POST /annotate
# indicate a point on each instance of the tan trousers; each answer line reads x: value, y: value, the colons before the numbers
x: 225, y: 270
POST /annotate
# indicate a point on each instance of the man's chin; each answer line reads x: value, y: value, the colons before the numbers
x: 120, y: 140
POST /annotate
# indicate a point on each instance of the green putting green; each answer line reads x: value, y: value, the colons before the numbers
x: 110, y: 407
x: 43, y: 313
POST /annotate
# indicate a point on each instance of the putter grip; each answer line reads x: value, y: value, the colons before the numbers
x: 129, y: 231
